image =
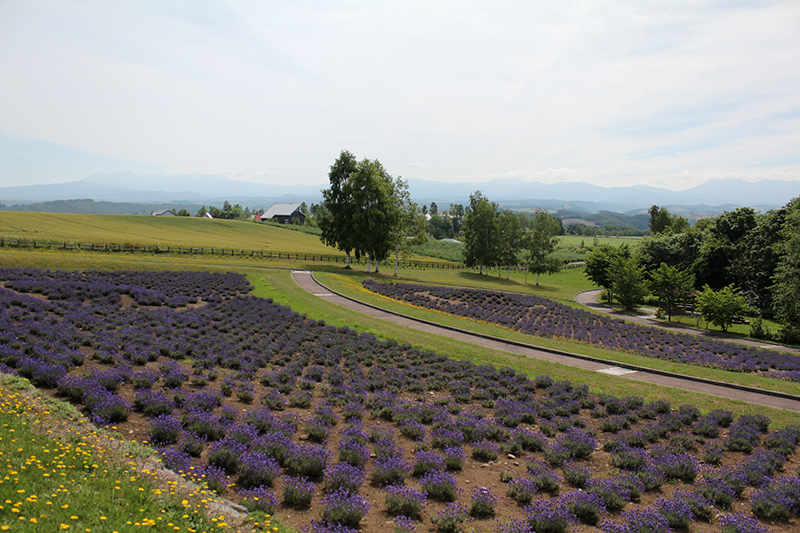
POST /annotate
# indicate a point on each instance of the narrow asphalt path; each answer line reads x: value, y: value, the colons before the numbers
x: 306, y: 280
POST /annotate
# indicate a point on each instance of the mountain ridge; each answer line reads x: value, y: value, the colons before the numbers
x: 210, y: 189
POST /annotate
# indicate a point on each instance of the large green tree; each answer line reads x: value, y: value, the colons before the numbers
x: 376, y: 211
x: 337, y: 208
x: 671, y: 286
x: 540, y: 242
x: 786, y: 289
x: 481, y: 236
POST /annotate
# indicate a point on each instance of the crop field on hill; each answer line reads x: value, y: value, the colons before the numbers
x: 338, y: 429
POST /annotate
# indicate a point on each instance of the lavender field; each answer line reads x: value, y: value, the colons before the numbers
x: 335, y: 430
x: 535, y: 315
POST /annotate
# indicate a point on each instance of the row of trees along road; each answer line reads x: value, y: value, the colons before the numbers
x: 494, y: 238
x: 368, y: 213
x: 739, y: 262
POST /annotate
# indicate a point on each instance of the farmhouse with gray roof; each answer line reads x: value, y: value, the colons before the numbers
x: 284, y: 213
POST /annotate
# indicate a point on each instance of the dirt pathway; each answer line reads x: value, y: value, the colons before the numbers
x: 306, y: 280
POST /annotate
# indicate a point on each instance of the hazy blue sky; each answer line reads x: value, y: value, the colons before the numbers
x: 664, y: 93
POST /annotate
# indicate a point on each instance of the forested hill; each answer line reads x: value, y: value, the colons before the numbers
x: 89, y: 206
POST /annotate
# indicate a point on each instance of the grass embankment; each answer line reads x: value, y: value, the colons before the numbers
x: 60, y: 473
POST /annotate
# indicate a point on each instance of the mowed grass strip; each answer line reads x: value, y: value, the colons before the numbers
x: 60, y: 473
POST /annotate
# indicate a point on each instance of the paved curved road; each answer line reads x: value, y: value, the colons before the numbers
x: 305, y: 279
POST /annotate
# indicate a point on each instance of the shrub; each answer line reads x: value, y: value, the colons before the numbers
x: 165, y: 429
x: 739, y: 523
x: 449, y: 519
x: 522, y: 490
x: 677, y: 512
x: 638, y: 521
x: 780, y: 500
x: 587, y: 507
x: 354, y: 453
x: 483, y: 503
x: 389, y: 471
x: 441, y: 486
x: 454, y: 457
x: 307, y: 460
x: 344, y: 476
x: 256, y: 469
x: 544, y: 478
x: 259, y: 499
x: 549, y: 516
x: 297, y: 491
x: 226, y: 454
x: 344, y: 508
x: 577, y: 475
x: 406, y: 501
x: 485, y: 450
x: 425, y: 462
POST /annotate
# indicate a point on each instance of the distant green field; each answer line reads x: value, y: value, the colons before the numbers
x: 146, y: 230
x: 576, y: 240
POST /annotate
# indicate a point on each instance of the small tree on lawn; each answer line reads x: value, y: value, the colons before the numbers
x: 722, y: 306
x: 510, y: 232
x: 540, y: 242
x: 598, y: 265
x: 627, y: 281
x: 671, y: 286
x: 410, y: 230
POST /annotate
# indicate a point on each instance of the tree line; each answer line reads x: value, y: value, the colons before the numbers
x: 368, y: 213
x: 735, y: 263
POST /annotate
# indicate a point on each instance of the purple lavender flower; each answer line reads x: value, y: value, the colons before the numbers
x: 739, y: 523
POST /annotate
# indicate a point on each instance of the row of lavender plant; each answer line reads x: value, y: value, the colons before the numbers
x: 535, y: 315
x: 187, y: 364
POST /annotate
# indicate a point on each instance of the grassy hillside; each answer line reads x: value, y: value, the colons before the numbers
x: 146, y: 230
x: 157, y: 231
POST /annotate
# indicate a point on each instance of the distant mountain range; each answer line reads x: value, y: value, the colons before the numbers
x: 185, y: 189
